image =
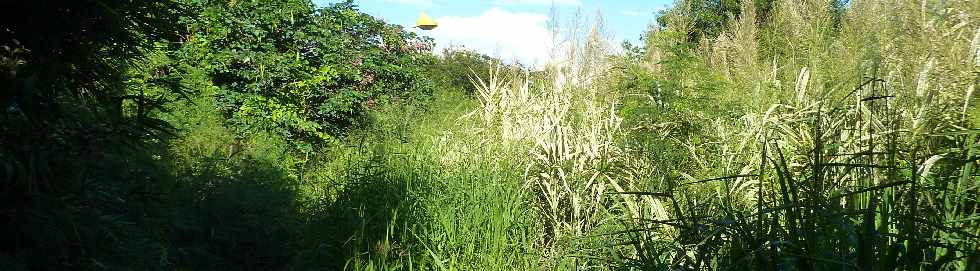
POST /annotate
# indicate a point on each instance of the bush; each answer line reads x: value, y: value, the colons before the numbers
x: 306, y: 74
x: 456, y: 66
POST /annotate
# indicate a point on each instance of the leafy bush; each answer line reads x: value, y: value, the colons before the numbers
x: 455, y: 67
x: 306, y: 74
x: 116, y: 150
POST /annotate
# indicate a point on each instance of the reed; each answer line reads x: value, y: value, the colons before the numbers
x: 862, y: 160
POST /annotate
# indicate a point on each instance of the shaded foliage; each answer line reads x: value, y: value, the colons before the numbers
x: 76, y: 193
x: 128, y: 127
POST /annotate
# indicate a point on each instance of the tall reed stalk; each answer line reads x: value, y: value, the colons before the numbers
x: 865, y: 160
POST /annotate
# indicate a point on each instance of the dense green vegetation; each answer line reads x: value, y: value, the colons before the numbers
x: 277, y: 135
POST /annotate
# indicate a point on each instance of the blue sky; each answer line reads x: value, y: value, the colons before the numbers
x: 512, y: 29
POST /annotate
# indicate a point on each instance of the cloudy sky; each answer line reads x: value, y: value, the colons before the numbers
x: 511, y: 29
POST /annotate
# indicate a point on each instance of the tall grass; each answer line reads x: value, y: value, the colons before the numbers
x: 808, y: 140
x: 562, y: 125
x: 463, y: 208
x: 857, y: 155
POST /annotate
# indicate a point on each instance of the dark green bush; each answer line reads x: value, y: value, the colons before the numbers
x: 79, y: 186
x: 131, y: 132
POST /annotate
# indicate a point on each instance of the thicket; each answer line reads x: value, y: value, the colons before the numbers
x: 177, y: 134
x: 809, y: 134
x: 77, y: 187
x: 258, y: 135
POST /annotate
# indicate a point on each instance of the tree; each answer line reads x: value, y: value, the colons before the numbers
x: 306, y: 74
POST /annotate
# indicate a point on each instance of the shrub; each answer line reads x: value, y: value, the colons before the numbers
x: 306, y: 74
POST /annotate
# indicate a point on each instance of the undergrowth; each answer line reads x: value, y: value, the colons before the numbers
x: 746, y: 135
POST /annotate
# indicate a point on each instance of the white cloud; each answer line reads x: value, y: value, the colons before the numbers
x: 423, y: 3
x: 497, y: 32
x: 541, y: 2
